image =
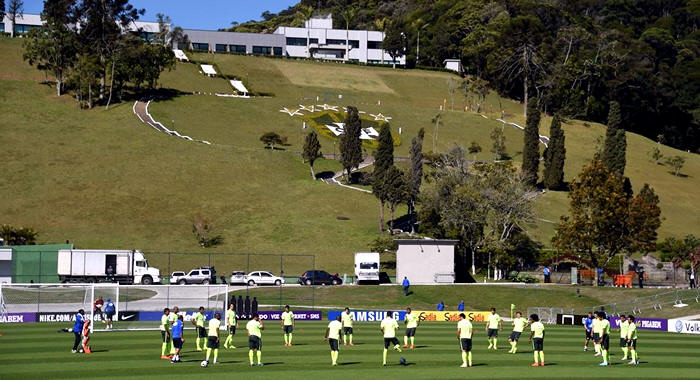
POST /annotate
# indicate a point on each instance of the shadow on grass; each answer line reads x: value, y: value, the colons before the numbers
x: 349, y: 363
x: 272, y: 363
x: 325, y: 175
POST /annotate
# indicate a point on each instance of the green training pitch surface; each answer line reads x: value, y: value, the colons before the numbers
x: 38, y: 351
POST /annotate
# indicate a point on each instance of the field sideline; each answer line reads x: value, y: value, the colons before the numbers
x: 39, y: 351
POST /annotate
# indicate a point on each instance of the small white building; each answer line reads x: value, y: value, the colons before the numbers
x: 425, y: 261
x: 454, y: 65
x: 23, y: 24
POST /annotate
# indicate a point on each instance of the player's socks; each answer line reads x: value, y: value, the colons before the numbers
x: 198, y: 346
x: 208, y: 353
x: 413, y: 341
x: 605, y: 356
x: 597, y: 348
x: 250, y: 356
x: 469, y: 358
x: 384, y: 356
x: 345, y: 339
x: 495, y: 343
x: 259, y: 357
x: 351, y: 339
x: 405, y: 341
x: 286, y: 339
x: 216, y: 354
x: 290, y: 338
x: 397, y: 348
x: 542, y: 357
x: 490, y: 342
x: 536, y: 356
x: 464, y: 358
x: 162, y: 349
x: 172, y: 349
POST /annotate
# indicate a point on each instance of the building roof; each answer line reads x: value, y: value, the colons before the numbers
x: 426, y: 241
x: 452, y: 60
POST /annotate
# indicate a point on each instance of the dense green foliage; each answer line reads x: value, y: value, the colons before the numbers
x: 312, y: 150
x: 576, y: 56
x: 383, y: 160
x: 555, y: 156
x: 615, y: 148
x: 531, y: 143
x: 350, y: 143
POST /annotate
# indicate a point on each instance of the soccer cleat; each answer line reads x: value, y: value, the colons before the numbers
x: 464, y: 365
x: 216, y: 361
x: 260, y: 364
x: 542, y: 364
x: 535, y: 365
x: 164, y: 357
x: 623, y: 358
x: 352, y: 344
x: 490, y: 345
x: 585, y: 349
x: 199, y: 349
x: 405, y: 346
x: 603, y: 364
x: 413, y: 347
x: 74, y: 351
x: 397, y: 348
x: 170, y: 356
x: 345, y: 344
x: 597, y: 354
x: 252, y: 365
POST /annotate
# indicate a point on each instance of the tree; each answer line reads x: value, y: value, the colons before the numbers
x: 451, y: 89
x: 415, y: 177
x: 644, y: 220
x: 15, y: 8
x: 18, y: 235
x: 348, y: 14
x: 677, y: 163
x: 394, y: 41
x: 474, y: 148
x: 350, y: 143
x: 383, y: 160
x: 499, y: 143
x: 475, y: 89
x: 2, y: 9
x: 203, y: 227
x: 270, y: 139
x: 531, y: 143
x: 397, y: 191
x: 312, y: 151
x: 656, y: 154
x: 381, y: 24
x: 615, y: 147
x: 554, y: 156
x: 304, y: 13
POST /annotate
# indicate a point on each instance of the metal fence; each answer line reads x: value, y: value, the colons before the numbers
x: 675, y: 298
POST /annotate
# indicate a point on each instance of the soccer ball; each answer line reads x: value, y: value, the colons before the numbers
x: 402, y: 361
x: 204, y: 363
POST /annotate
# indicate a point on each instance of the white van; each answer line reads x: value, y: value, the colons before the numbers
x: 367, y: 267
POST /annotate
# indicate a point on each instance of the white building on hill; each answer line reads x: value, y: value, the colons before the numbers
x: 27, y: 22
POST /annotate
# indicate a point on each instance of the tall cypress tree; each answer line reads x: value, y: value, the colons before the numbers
x: 415, y: 177
x: 350, y: 143
x: 312, y: 151
x: 554, y: 156
x: 531, y: 143
x: 383, y: 160
x: 615, y: 148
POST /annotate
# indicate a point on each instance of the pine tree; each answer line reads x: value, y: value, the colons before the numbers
x: 499, y: 143
x: 554, y: 156
x: 350, y: 143
x: 531, y: 143
x: 415, y: 178
x: 643, y: 220
x: 383, y: 160
x: 615, y: 148
x: 396, y: 190
x: 312, y: 150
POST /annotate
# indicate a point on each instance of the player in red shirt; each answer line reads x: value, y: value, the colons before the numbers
x: 97, y: 308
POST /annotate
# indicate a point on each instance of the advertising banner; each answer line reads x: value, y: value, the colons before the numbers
x: 643, y: 323
x: 453, y: 316
x: 684, y: 326
x: 298, y: 315
x: 187, y: 315
x: 264, y: 315
x: 18, y: 318
x: 369, y: 315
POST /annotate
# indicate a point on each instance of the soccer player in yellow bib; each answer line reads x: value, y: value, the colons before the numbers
x: 464, y: 337
x: 287, y: 326
x: 604, y: 338
x: 632, y: 340
x: 596, y: 333
x: 412, y: 321
x: 213, y: 338
x: 537, y: 339
x: 519, y: 324
x: 333, y: 338
x: 254, y: 328
x: 198, y: 321
x: 348, y: 319
x: 389, y: 327
x: 492, y: 327
x: 165, y: 332
x: 232, y: 324
x: 172, y: 317
x: 624, y: 326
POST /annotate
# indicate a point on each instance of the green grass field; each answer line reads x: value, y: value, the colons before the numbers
x: 38, y: 351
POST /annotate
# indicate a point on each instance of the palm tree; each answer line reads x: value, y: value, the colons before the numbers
x: 381, y: 24
x: 348, y: 15
x: 305, y: 12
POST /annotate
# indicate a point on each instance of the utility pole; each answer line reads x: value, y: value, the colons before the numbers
x: 418, y: 43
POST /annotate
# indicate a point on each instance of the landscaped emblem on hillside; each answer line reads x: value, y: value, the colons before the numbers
x: 329, y: 122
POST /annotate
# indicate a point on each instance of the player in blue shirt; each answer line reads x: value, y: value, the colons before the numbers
x: 109, y: 313
x: 178, y: 340
x: 78, y: 328
x: 588, y: 326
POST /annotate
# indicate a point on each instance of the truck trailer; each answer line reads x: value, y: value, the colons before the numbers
x: 367, y: 267
x: 97, y: 265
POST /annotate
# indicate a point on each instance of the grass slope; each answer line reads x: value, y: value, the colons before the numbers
x: 37, y: 351
x: 103, y: 180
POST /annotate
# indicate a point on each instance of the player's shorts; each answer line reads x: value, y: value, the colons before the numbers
x: 493, y: 333
x: 596, y: 337
x: 213, y: 342
x: 388, y: 342
x: 333, y: 343
x: 347, y: 330
x: 623, y: 342
x: 466, y: 344
x: 632, y: 343
x: 538, y: 344
x: 589, y: 334
x: 201, y: 332
x: 109, y: 315
x: 177, y: 342
x: 605, y: 342
x: 232, y: 330
x: 254, y: 342
x: 410, y: 332
x: 164, y: 336
x: 515, y: 335
x: 288, y: 329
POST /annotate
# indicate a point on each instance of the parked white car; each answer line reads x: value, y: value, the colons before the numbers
x: 238, y: 277
x: 176, y: 276
x: 263, y: 278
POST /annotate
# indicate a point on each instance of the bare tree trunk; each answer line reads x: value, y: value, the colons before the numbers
x: 473, y: 261
x: 111, y: 84
x: 381, y: 216
x: 525, y: 76
x: 391, y: 214
x: 347, y: 42
x: 58, y: 85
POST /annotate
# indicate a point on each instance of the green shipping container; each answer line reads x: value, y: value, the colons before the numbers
x: 36, y: 263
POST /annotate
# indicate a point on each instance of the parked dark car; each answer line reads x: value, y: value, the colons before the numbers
x: 319, y: 277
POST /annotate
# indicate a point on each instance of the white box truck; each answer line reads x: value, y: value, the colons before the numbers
x: 367, y: 267
x: 93, y: 265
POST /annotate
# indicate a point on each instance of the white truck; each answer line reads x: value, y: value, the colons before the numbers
x: 98, y: 265
x: 367, y: 267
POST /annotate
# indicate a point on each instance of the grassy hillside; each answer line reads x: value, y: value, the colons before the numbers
x: 104, y: 180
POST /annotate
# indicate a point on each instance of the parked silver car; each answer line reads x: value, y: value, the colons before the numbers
x: 263, y: 278
x: 176, y: 276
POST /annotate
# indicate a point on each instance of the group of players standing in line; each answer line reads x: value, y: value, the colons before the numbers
x: 597, y: 329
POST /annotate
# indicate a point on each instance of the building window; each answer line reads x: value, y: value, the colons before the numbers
x: 266, y: 50
x: 278, y: 51
x: 2, y: 27
x: 374, y: 44
x: 237, y: 48
x: 313, y: 40
x: 221, y: 48
x: 200, y: 46
x: 335, y: 42
x: 22, y: 29
x: 294, y: 41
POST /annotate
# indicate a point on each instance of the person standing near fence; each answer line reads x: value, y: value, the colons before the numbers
x: 78, y: 329
x: 406, y: 284
x: 232, y: 323
x: 691, y: 280
x: 547, y: 278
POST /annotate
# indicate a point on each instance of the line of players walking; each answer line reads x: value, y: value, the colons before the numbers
x: 597, y: 329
